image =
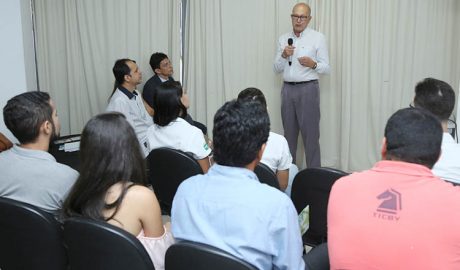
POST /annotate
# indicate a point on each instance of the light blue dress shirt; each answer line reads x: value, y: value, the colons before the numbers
x: 230, y: 209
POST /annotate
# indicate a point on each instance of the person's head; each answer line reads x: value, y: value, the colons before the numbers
x: 413, y: 135
x: 253, y: 94
x: 240, y: 132
x: 161, y: 65
x: 301, y: 16
x: 31, y: 114
x: 168, y: 103
x: 109, y: 153
x: 436, y: 96
x: 127, y: 74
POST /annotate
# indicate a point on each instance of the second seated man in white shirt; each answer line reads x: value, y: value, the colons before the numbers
x: 276, y: 155
x: 438, y: 97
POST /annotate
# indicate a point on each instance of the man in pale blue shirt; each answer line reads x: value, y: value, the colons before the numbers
x: 228, y: 207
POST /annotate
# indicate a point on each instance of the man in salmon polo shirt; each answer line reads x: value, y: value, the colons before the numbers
x: 397, y: 215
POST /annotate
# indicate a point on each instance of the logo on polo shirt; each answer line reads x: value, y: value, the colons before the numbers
x: 205, y: 146
x: 390, y: 205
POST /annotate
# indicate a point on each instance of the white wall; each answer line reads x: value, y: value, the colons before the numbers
x: 17, y: 71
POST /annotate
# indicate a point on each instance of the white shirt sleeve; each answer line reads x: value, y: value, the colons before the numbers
x: 322, y: 56
x: 197, y: 144
x: 280, y: 62
x: 286, y: 158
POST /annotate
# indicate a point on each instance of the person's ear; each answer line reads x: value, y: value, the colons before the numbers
x: 127, y: 77
x: 47, y: 127
x: 157, y: 70
x: 383, y: 151
x: 261, y: 151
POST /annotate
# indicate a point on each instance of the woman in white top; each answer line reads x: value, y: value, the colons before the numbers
x: 170, y: 129
x: 112, y: 185
x: 276, y: 155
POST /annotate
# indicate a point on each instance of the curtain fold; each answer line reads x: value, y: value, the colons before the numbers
x: 378, y: 51
x: 79, y: 41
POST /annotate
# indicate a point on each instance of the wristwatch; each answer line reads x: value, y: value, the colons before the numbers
x: 316, y: 64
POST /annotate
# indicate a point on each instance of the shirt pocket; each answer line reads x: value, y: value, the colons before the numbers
x: 307, y: 50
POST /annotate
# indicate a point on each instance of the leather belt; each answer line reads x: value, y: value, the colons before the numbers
x: 294, y: 83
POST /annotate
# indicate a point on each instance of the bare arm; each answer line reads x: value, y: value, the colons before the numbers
x: 204, y: 164
x: 283, y: 178
x: 148, y: 108
x: 149, y: 212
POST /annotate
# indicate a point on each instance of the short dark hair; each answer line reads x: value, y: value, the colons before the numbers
x: 109, y: 153
x: 120, y: 70
x: 156, y: 59
x: 436, y: 96
x: 167, y: 103
x: 240, y: 130
x: 414, y: 135
x: 25, y: 113
x: 254, y: 94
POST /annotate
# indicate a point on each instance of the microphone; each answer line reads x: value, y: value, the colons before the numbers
x: 290, y: 41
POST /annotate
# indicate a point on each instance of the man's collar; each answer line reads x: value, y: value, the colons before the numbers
x: 301, y: 33
x: 129, y: 94
x: 163, y: 79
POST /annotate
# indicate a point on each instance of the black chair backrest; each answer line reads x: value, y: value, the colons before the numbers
x: 167, y: 169
x: 185, y: 255
x: 29, y: 238
x: 311, y: 187
x: 266, y: 175
x: 94, y: 245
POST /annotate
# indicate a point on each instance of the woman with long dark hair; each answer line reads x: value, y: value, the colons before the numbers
x: 170, y: 129
x: 112, y: 184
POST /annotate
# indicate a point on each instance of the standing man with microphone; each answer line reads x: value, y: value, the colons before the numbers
x: 302, y: 56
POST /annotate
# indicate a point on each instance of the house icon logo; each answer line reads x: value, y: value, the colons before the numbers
x: 391, y: 203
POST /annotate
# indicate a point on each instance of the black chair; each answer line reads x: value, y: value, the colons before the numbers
x: 311, y: 187
x: 266, y: 175
x: 94, y: 245
x: 185, y: 255
x: 167, y: 169
x: 29, y: 238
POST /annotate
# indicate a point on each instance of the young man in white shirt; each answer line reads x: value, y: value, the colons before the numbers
x: 276, y: 155
x: 438, y: 97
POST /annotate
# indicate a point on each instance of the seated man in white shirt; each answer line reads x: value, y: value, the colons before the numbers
x: 276, y: 155
x: 28, y: 172
x: 438, y: 97
x: 126, y: 100
x: 228, y: 207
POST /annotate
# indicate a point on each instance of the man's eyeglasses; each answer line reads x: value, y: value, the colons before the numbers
x: 301, y: 18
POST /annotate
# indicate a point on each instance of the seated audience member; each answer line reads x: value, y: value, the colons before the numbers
x: 438, y: 97
x: 163, y: 70
x: 112, y: 185
x: 5, y: 143
x: 276, y: 155
x: 397, y: 215
x: 126, y: 100
x: 28, y: 172
x: 228, y: 207
x: 171, y: 130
